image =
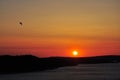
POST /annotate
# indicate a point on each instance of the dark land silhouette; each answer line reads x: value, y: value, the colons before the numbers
x: 29, y: 63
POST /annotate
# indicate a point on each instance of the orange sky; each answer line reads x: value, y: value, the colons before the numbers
x: 56, y: 27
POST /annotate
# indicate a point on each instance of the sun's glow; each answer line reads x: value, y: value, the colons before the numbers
x: 75, y: 53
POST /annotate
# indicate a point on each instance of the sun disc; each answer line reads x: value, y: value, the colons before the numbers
x: 75, y: 53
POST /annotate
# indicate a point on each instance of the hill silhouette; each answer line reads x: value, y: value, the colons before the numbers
x: 29, y: 63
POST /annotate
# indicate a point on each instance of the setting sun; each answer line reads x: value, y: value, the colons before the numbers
x: 75, y: 53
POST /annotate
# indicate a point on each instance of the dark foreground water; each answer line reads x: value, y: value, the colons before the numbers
x: 109, y: 71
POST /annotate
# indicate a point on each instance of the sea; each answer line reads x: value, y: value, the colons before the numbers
x: 106, y: 71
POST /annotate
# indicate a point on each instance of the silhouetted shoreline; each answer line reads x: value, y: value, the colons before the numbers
x: 29, y: 63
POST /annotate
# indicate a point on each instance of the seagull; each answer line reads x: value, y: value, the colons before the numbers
x: 21, y: 23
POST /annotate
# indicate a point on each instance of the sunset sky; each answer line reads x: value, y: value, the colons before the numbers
x: 57, y: 27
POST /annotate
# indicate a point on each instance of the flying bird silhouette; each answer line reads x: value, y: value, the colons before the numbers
x: 21, y: 23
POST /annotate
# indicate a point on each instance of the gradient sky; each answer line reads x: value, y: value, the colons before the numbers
x: 56, y: 27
